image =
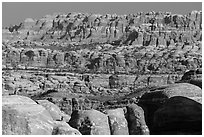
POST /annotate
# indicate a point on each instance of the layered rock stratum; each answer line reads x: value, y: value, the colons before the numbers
x: 153, y: 42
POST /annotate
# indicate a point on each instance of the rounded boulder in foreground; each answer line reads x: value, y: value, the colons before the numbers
x: 22, y: 116
x: 179, y: 115
x: 90, y: 122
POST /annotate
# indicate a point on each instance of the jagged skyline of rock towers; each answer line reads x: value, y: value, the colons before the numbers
x: 15, y: 12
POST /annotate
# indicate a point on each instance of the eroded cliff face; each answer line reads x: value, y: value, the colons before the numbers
x: 58, y: 45
x: 154, y: 42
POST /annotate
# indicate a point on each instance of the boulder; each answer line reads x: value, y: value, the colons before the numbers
x: 183, y: 89
x: 90, y: 122
x: 62, y: 128
x: 136, y: 120
x: 154, y: 99
x: 51, y: 108
x: 17, y: 100
x: 22, y: 116
x: 179, y: 115
x: 118, y: 123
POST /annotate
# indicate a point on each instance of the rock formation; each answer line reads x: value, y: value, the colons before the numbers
x: 92, y: 74
x: 117, y: 121
x: 136, y: 120
x: 90, y: 122
x: 154, y: 42
x: 22, y: 118
x: 154, y: 99
x: 179, y: 115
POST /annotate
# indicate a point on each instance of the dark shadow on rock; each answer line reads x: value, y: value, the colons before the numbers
x: 178, y: 115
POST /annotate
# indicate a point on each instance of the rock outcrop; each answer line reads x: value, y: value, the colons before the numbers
x: 20, y: 117
x: 52, y: 109
x: 136, y: 120
x: 23, y: 116
x: 118, y: 123
x: 179, y: 115
x: 62, y: 128
x: 90, y: 122
x: 113, y: 74
x: 154, y: 99
x: 154, y: 42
